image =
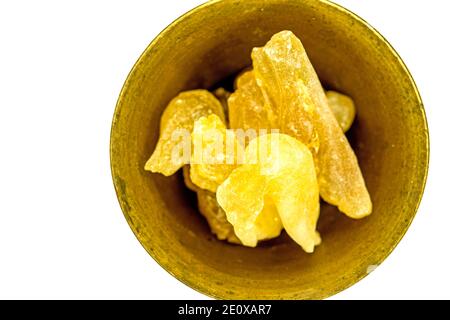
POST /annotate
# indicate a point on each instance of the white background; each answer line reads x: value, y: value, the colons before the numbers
x: 62, y: 234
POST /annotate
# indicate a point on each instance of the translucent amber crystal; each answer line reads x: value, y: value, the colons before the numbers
x: 215, y: 152
x: 291, y: 87
x: 246, y: 106
x: 279, y: 171
x: 278, y: 73
x: 343, y: 109
x: 177, y: 120
x: 268, y: 223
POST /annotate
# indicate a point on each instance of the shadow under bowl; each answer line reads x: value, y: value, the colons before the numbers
x: 390, y: 138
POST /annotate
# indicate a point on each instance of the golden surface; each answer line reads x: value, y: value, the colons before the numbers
x: 389, y: 136
x: 278, y: 175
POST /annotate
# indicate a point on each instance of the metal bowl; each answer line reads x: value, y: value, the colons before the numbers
x: 390, y: 138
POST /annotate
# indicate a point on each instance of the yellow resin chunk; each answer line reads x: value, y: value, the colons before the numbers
x: 177, y: 122
x: 343, y: 109
x: 291, y: 87
x: 268, y: 224
x: 215, y: 152
x: 246, y: 106
x: 278, y: 73
x: 207, y: 173
x: 215, y: 216
x: 278, y: 170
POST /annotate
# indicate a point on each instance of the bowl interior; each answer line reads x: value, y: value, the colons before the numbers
x: 212, y: 43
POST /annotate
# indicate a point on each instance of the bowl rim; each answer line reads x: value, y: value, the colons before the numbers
x: 203, y: 289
